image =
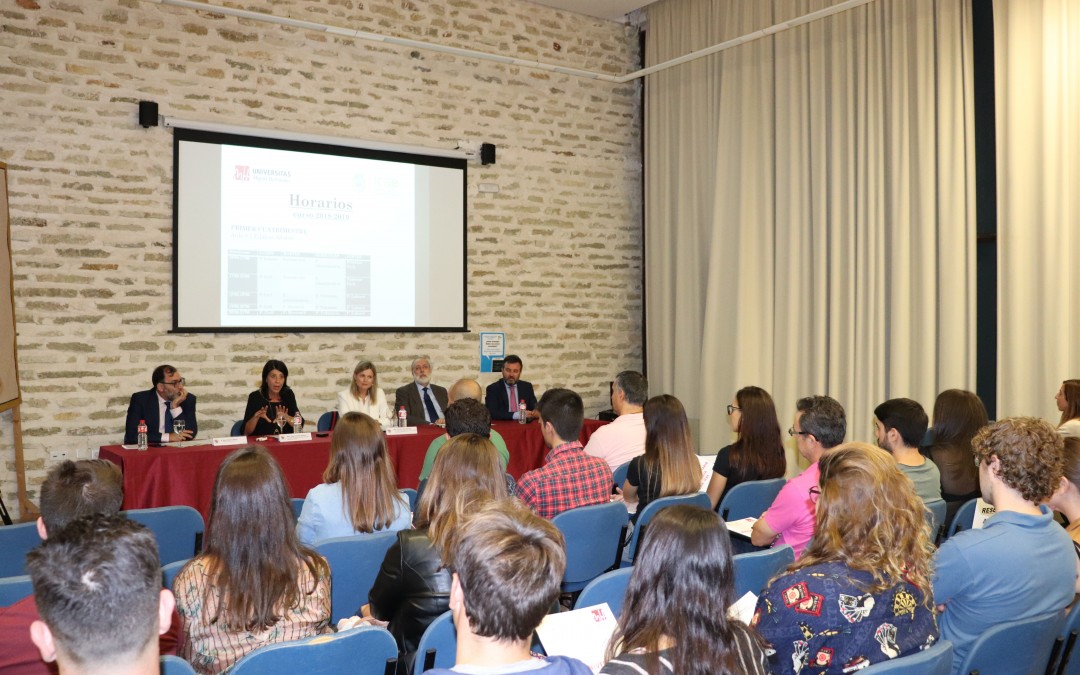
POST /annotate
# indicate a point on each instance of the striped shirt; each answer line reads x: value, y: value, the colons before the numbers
x: 748, y: 650
x: 212, y: 649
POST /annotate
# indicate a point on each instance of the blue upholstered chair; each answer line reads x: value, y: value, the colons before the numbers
x: 169, y: 572
x: 237, y: 428
x: 609, y: 587
x: 697, y: 499
x: 174, y: 665
x: 14, y: 589
x: 15, y: 542
x: 1015, y: 647
x: 935, y: 518
x: 354, y: 564
x: 749, y: 499
x: 410, y: 494
x: 297, y: 506
x: 327, y: 420
x: 619, y: 474
x: 594, y: 536
x: 367, y: 650
x: 178, y: 529
x: 438, y: 645
x: 964, y: 517
x: 1065, y: 658
x: 937, y: 660
x: 753, y: 570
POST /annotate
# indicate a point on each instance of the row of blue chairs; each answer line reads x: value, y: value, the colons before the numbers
x: 326, y: 422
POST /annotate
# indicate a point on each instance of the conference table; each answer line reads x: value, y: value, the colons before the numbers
x: 184, y: 474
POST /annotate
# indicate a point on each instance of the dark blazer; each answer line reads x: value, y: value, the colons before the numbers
x: 256, y: 400
x: 411, y: 590
x: 409, y: 397
x: 499, y: 405
x: 144, y: 406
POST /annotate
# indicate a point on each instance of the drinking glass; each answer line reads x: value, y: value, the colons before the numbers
x: 280, y: 422
x: 178, y: 427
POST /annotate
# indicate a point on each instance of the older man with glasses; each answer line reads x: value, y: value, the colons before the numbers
x: 168, y: 409
x: 820, y: 424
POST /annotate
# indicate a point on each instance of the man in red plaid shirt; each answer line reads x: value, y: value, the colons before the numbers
x: 569, y: 477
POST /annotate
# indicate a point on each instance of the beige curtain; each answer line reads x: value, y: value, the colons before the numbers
x: 809, y: 206
x: 1037, y: 89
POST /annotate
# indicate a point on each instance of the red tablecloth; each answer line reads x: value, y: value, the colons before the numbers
x: 168, y: 476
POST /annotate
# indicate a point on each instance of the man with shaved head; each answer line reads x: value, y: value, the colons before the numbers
x: 465, y: 414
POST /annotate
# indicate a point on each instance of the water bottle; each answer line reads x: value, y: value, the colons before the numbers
x: 297, y: 423
x: 522, y: 409
x: 143, y: 444
x: 402, y: 418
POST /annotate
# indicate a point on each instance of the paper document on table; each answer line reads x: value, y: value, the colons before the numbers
x: 706, y: 471
x: 582, y: 634
x: 743, y: 526
x: 743, y: 609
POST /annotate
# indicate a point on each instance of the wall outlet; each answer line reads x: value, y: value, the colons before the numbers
x: 58, y: 455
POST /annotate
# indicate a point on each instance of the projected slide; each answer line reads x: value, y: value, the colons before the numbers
x: 272, y: 237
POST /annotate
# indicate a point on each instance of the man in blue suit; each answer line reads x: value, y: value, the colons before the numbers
x: 168, y: 401
x: 502, y: 397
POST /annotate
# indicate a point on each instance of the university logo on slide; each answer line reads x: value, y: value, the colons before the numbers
x: 242, y: 173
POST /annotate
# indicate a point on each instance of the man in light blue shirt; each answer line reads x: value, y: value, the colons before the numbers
x: 1021, y: 563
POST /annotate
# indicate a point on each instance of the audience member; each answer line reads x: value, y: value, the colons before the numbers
x: 1068, y: 402
x: 465, y: 418
x: 758, y: 454
x: 624, y: 439
x: 1021, y: 563
x: 360, y: 494
x: 958, y: 415
x: 502, y: 398
x: 899, y: 427
x: 860, y: 594
x: 159, y: 407
x: 273, y: 397
x: 71, y: 491
x: 254, y: 583
x: 669, y: 466
x: 675, y: 615
x: 820, y: 424
x: 364, y: 395
x: 413, y: 585
x: 423, y: 401
x: 569, y: 477
x: 97, y: 583
x: 507, y: 564
x: 1066, y: 498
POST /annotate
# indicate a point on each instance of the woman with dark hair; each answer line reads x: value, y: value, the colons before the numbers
x: 1066, y: 499
x: 360, y: 492
x: 860, y: 593
x: 670, y: 465
x: 364, y: 394
x: 675, y: 615
x: 271, y: 398
x: 252, y: 585
x: 758, y: 454
x: 413, y: 587
x: 1068, y: 402
x: 958, y: 414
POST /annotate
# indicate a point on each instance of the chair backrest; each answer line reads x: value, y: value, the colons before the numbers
x: 609, y: 587
x: 327, y: 421
x: 15, y: 542
x: 1066, y: 656
x: 438, y: 645
x: 297, y: 506
x: 749, y: 499
x: 367, y: 650
x: 654, y: 507
x: 1016, y: 647
x: 354, y: 564
x: 169, y: 572
x: 619, y: 474
x: 178, y: 529
x: 593, y: 536
x: 14, y: 589
x: 410, y: 494
x: 753, y: 570
x: 237, y: 428
x: 937, y: 660
x: 963, y: 519
x: 935, y: 518
x: 174, y: 665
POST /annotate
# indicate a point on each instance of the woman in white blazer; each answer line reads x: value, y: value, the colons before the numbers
x: 364, y: 395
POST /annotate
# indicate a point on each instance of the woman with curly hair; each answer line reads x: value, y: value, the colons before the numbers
x: 674, y: 619
x: 861, y: 592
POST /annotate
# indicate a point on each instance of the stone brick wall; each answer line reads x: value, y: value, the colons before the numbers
x: 554, y: 257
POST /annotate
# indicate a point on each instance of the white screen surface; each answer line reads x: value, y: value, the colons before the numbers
x: 275, y: 235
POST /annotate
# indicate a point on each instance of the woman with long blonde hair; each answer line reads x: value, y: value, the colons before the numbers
x: 364, y: 394
x: 413, y: 586
x: 669, y: 466
x: 360, y: 494
x: 861, y: 592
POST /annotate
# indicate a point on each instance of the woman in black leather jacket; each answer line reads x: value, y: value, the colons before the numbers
x: 413, y: 586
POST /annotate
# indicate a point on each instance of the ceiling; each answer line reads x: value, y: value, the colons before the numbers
x: 615, y: 10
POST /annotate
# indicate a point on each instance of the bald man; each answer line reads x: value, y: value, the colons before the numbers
x: 464, y: 417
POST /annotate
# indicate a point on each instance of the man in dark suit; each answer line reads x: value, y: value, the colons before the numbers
x: 167, y: 402
x: 503, y: 397
x: 424, y: 402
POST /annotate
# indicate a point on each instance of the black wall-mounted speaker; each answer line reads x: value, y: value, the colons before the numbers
x: 148, y: 114
x: 487, y: 153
